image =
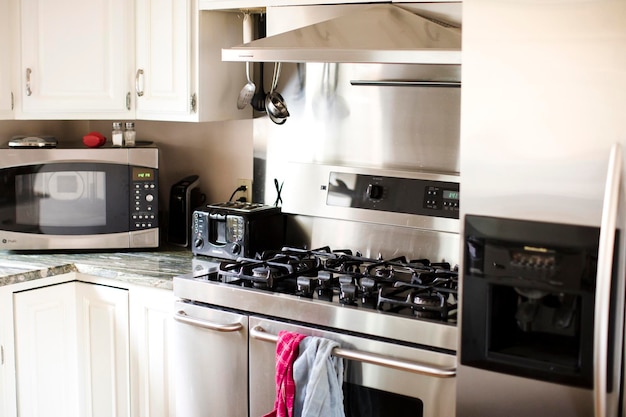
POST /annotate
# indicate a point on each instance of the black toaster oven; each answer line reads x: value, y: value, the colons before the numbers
x: 236, y: 229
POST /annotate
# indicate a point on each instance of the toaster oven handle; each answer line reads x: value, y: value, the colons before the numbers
x: 259, y: 333
x: 182, y: 317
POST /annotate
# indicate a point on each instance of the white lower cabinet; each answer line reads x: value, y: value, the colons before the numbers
x: 73, y: 348
x: 151, y: 321
x: 72, y: 351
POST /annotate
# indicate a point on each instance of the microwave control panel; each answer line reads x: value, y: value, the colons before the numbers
x: 399, y: 195
x: 144, y: 209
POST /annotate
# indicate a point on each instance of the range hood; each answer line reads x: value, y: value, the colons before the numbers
x: 383, y: 33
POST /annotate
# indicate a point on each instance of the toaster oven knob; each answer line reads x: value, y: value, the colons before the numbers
x: 198, y: 243
x: 236, y: 248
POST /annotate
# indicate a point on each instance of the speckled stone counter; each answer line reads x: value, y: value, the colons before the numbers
x: 151, y: 268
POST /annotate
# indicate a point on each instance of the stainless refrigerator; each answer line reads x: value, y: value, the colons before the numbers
x: 542, y: 125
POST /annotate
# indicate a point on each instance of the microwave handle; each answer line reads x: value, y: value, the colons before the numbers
x: 603, y: 280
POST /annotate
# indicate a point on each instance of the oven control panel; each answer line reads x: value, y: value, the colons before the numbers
x: 400, y: 195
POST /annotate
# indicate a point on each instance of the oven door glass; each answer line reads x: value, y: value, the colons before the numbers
x: 369, y: 390
x: 65, y: 198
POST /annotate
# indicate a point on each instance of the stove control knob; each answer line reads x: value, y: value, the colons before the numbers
x: 198, y: 243
x: 375, y: 191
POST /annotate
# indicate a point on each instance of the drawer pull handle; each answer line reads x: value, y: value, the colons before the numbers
x: 259, y: 333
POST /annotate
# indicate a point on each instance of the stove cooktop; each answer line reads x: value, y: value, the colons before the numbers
x: 397, y: 300
x: 414, y: 288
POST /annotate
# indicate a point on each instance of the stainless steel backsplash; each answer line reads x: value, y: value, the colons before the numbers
x: 369, y: 116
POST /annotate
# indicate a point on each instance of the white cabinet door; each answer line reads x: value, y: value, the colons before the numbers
x: 151, y: 363
x: 103, y: 350
x: 179, y: 73
x: 71, y: 351
x: 6, y: 94
x: 162, y: 83
x: 75, y: 59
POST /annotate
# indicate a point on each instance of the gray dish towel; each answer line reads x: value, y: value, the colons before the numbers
x: 319, y: 379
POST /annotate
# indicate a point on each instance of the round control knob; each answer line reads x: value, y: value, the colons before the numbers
x: 149, y: 198
x: 375, y: 191
x: 236, y: 248
x: 198, y: 243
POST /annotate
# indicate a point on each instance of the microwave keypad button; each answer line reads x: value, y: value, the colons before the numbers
x: 149, y: 198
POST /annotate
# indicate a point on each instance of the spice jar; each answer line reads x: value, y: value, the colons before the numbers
x: 117, y: 135
x: 129, y: 134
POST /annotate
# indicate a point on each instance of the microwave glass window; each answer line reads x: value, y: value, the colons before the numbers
x: 63, y: 198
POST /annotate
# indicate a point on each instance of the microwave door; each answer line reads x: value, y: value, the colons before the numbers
x: 66, y: 199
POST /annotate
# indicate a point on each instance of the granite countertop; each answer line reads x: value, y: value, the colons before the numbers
x: 154, y: 268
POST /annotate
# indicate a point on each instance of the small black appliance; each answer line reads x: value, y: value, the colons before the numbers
x: 185, y: 196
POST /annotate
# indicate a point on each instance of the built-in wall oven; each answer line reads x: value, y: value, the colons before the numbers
x: 394, y: 321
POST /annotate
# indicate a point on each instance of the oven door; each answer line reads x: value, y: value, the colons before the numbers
x: 369, y: 390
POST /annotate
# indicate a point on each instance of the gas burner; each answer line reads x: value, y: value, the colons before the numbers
x: 416, y: 288
x: 428, y: 306
x: 263, y: 276
x: 419, y: 301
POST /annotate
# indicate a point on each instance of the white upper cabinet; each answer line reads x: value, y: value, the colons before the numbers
x: 6, y: 94
x: 163, y: 53
x: 75, y: 59
x: 179, y: 72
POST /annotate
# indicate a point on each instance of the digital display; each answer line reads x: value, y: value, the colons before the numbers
x: 143, y: 174
x: 450, y: 195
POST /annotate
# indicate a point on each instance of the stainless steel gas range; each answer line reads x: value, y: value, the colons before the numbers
x: 367, y: 171
x: 394, y: 315
x: 394, y: 319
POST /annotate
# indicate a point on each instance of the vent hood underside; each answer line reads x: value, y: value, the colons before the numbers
x: 382, y: 33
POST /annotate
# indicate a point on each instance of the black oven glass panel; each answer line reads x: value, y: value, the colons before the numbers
x: 360, y: 401
x: 65, y: 198
x: 528, y: 299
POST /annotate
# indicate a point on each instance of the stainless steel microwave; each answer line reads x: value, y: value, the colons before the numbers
x: 55, y: 199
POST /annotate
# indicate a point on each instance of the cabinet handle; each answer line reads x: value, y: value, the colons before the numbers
x: 139, y: 76
x: 194, y: 102
x: 182, y: 317
x: 259, y: 333
x: 28, y: 90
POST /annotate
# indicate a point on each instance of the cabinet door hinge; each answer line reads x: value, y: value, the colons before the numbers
x: 12, y: 101
x: 194, y: 103
x: 128, y: 101
x: 1, y: 355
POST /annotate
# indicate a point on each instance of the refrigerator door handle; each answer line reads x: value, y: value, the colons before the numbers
x: 603, y: 279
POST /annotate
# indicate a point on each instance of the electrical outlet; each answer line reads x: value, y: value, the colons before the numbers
x: 248, y: 193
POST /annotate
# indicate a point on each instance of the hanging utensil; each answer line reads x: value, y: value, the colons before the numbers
x: 275, y: 103
x: 258, y: 100
x: 247, y: 92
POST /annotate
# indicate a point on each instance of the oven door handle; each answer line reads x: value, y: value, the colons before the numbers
x: 259, y: 333
x: 182, y: 317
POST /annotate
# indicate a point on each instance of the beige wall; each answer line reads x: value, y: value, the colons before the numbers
x: 220, y: 153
